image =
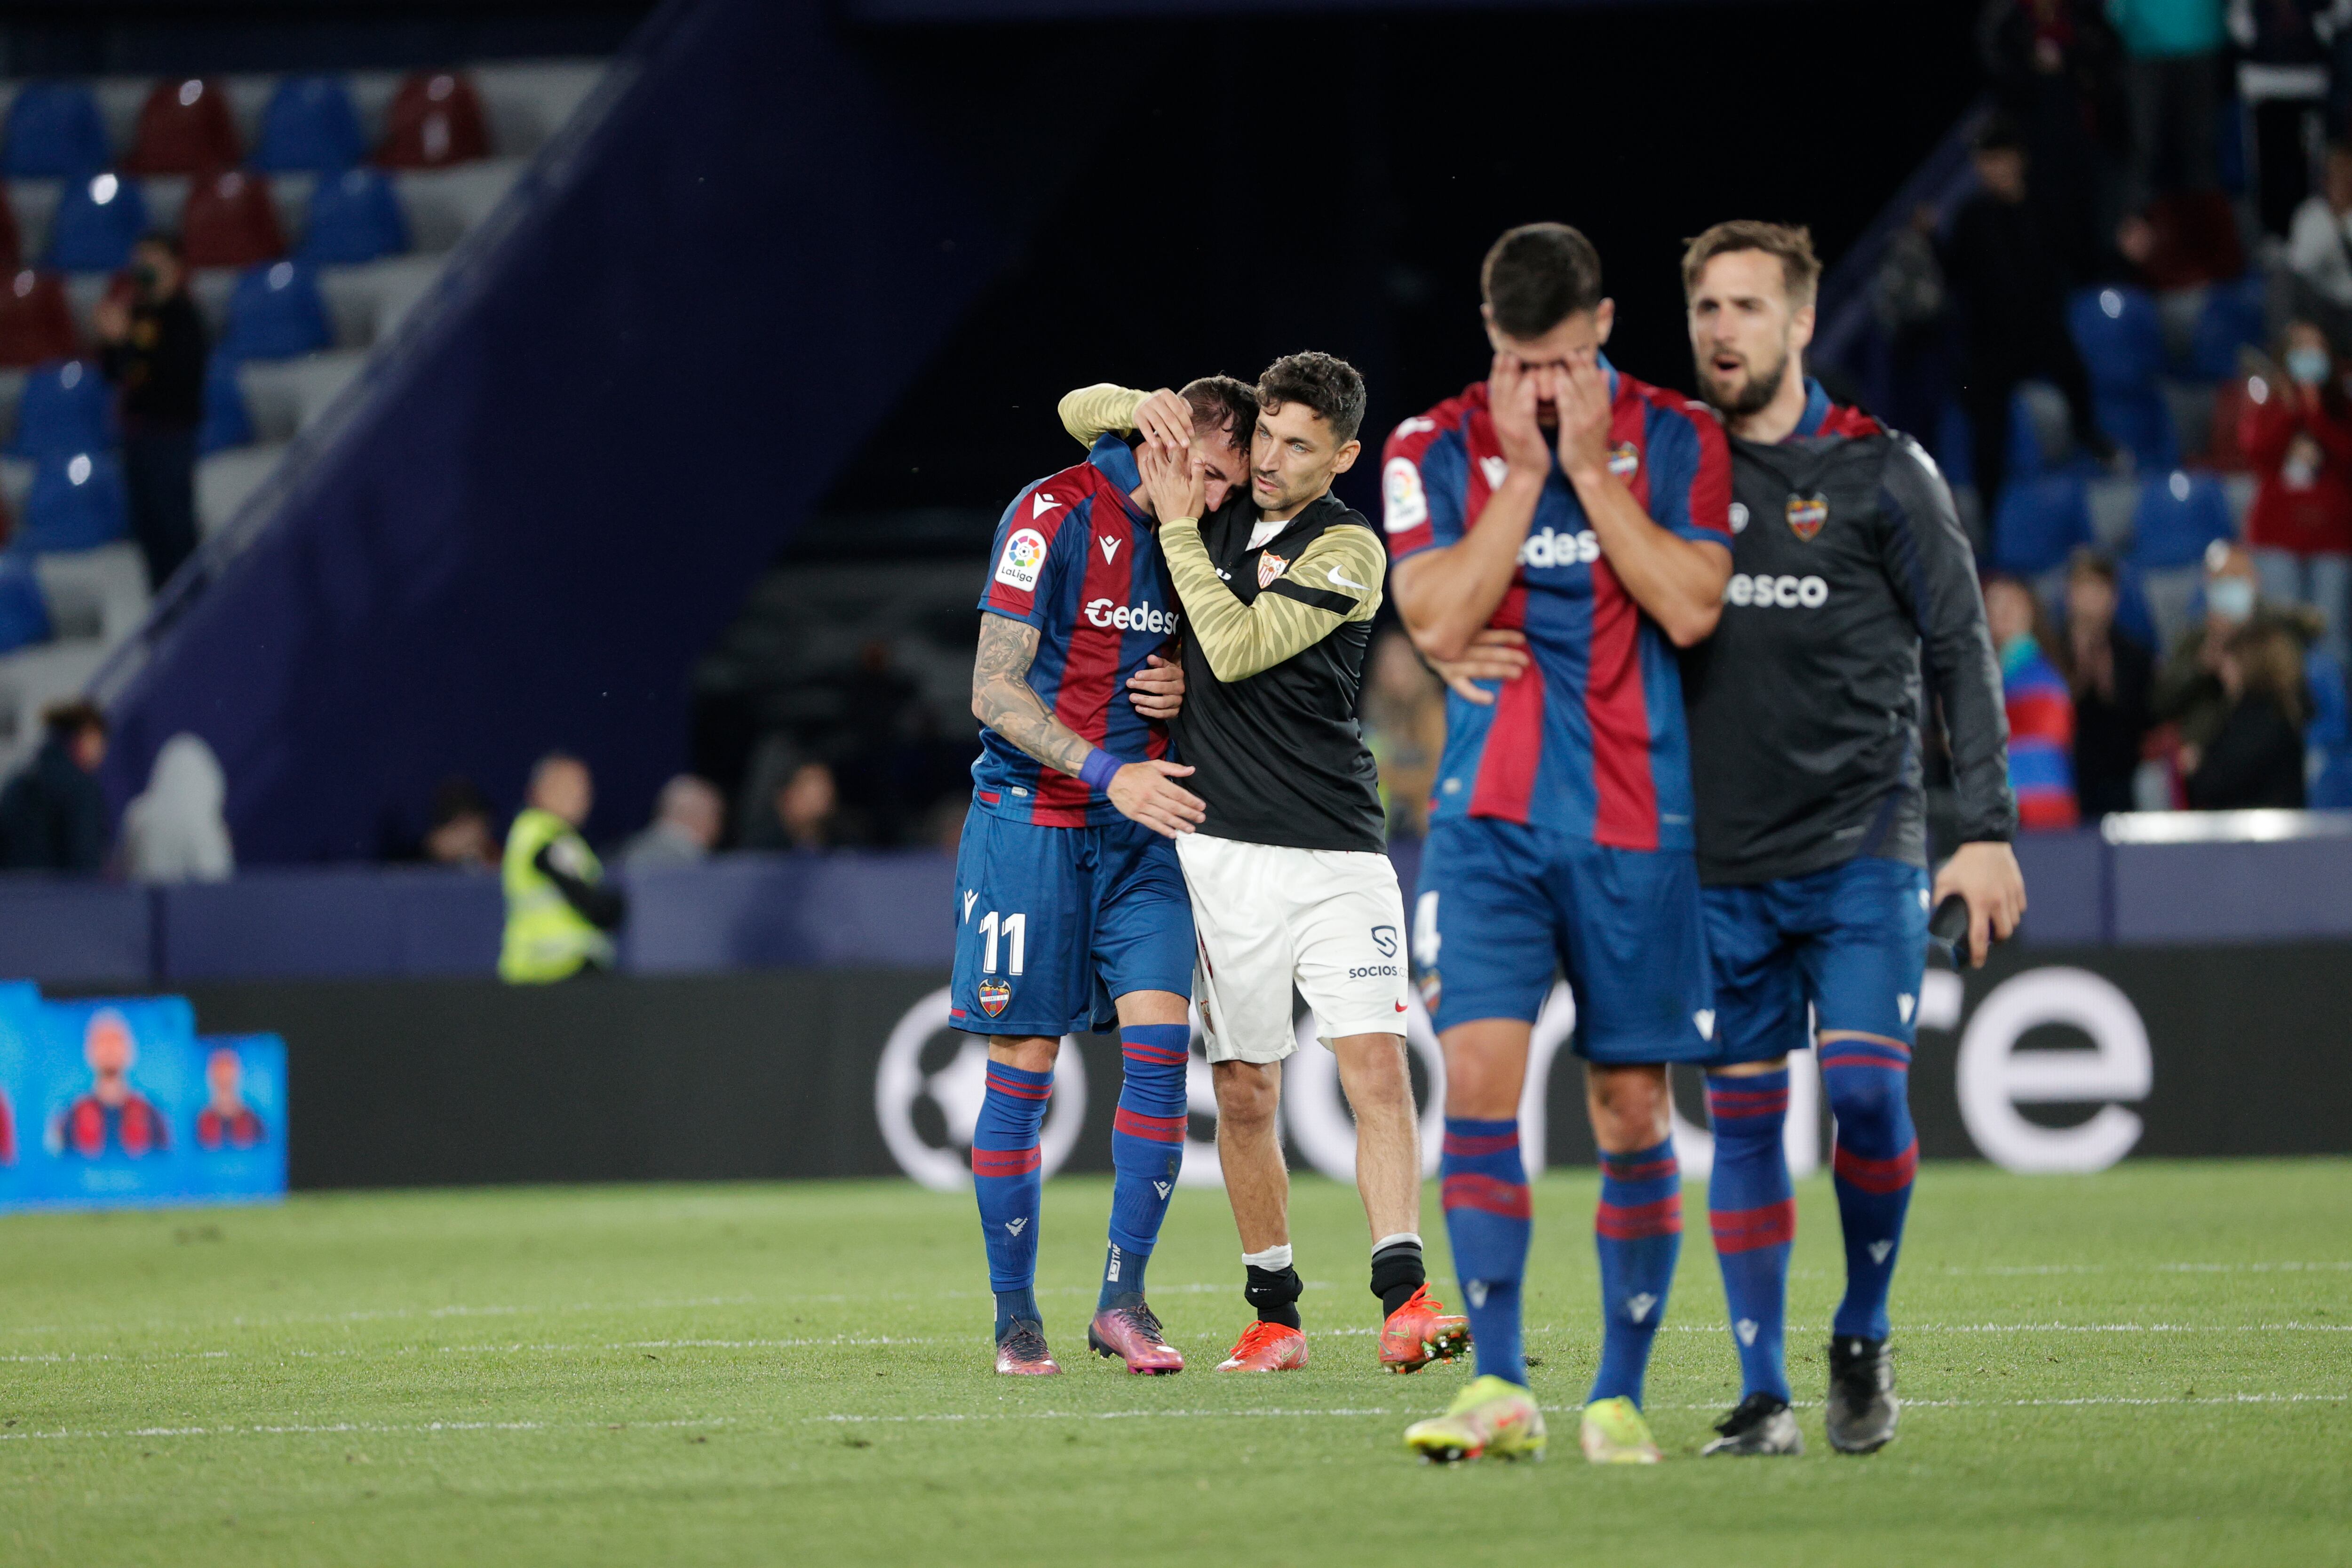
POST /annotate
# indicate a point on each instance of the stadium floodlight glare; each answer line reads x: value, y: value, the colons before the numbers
x: 2267, y: 826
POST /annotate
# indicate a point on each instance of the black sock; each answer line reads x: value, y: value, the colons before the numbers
x: 1396, y: 1274
x: 1274, y: 1294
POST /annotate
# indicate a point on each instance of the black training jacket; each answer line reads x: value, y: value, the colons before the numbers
x: 1849, y: 572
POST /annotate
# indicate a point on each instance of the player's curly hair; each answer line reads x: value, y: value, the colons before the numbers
x: 1222, y: 402
x: 1537, y: 275
x: 1328, y: 385
x: 1791, y: 245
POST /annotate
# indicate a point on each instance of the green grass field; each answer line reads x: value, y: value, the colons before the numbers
x: 2150, y: 1366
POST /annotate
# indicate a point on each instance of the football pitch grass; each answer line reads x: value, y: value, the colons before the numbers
x: 2149, y: 1367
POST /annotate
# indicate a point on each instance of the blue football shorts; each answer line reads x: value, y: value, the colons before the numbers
x: 1850, y: 940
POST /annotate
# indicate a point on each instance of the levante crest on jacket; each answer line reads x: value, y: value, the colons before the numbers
x: 1806, y: 515
x: 1269, y: 567
x: 993, y: 995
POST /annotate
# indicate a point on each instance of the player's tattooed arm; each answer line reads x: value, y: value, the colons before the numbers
x: 1003, y: 698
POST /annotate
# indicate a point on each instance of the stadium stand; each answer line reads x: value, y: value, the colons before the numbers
x: 92, y: 165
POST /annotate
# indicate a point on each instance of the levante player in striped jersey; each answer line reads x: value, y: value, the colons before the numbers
x: 1560, y: 830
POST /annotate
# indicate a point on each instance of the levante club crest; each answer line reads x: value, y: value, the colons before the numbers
x: 1806, y: 515
x: 1269, y: 567
x: 993, y: 995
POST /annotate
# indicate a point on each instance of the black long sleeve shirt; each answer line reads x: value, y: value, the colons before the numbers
x: 160, y: 367
x: 1852, y: 598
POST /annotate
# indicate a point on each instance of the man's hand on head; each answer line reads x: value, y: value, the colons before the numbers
x: 1157, y: 690
x: 1164, y: 416
x: 1176, y: 481
x: 1512, y: 392
x: 1580, y: 392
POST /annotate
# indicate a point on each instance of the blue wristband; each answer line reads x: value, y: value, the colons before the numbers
x: 1097, y: 769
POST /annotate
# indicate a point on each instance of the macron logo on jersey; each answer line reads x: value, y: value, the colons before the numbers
x: 1497, y: 470
x: 1041, y: 504
x: 1024, y: 554
x: 1109, y: 548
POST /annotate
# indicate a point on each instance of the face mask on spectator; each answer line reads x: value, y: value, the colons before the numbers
x: 2307, y: 365
x: 2231, y: 598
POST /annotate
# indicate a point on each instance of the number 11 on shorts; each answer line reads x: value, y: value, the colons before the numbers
x: 1014, y: 928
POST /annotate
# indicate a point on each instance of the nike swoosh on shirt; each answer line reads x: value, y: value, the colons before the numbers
x: 1333, y: 572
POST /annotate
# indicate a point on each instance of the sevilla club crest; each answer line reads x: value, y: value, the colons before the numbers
x: 1806, y: 515
x: 993, y: 995
x: 1269, y: 567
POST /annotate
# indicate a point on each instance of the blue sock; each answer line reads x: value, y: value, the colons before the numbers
x: 1147, y: 1150
x: 1005, y: 1175
x: 1638, y: 1231
x: 1488, y: 1218
x: 1752, y: 1210
x: 1868, y: 1082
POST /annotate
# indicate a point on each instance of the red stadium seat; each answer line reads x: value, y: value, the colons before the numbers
x: 10, y: 250
x: 435, y: 120
x: 230, y: 222
x: 185, y: 129
x: 35, y: 323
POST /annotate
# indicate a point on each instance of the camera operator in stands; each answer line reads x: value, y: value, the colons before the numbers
x: 53, y: 815
x: 560, y: 914
x: 154, y: 353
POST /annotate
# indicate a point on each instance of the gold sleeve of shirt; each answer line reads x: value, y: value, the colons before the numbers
x: 1093, y: 412
x: 1334, y: 580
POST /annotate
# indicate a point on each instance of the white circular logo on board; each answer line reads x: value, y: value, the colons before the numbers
x: 951, y: 1090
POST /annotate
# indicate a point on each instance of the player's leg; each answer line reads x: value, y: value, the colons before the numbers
x: 1759, y: 1015
x: 1865, y: 967
x: 1241, y: 982
x: 1484, y: 942
x: 1017, y: 918
x: 1636, y: 956
x: 1348, y: 933
x: 1143, y: 951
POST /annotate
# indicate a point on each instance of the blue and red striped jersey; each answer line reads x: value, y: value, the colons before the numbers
x: 1589, y: 741
x: 1077, y: 559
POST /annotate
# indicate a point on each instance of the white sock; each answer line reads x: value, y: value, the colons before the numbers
x: 1274, y: 1259
x: 1384, y: 1243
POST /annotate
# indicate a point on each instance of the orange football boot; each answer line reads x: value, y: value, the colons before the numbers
x: 1267, y: 1347
x: 1421, y: 1331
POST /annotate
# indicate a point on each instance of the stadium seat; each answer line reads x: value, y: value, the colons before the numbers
x: 2040, y: 523
x: 227, y: 422
x: 97, y: 221
x: 55, y: 131
x: 2133, y: 616
x: 78, y: 502
x: 2328, y: 737
x: 435, y: 120
x: 2232, y: 320
x: 354, y: 216
x: 66, y: 408
x: 184, y: 128
x: 229, y: 221
x: 35, y: 320
x: 12, y: 249
x: 23, y: 613
x: 310, y: 125
x: 2179, y: 514
x: 2140, y: 422
x: 275, y: 312
x: 2120, y: 336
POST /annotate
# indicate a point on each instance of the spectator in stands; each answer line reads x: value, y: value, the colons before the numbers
x: 807, y: 803
x: 1404, y: 725
x: 464, y: 834
x: 560, y: 914
x: 2171, y: 62
x: 155, y: 349
x: 2012, y: 286
x: 52, y: 814
x: 2040, y: 714
x: 2057, y: 67
x: 2298, y: 435
x: 2190, y: 693
x: 2108, y: 675
x: 2255, y: 759
x: 685, y: 829
x: 2319, y: 250
x: 174, y: 832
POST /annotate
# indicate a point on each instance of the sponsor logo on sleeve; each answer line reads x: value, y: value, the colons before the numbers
x: 1406, y: 507
x: 1024, y: 553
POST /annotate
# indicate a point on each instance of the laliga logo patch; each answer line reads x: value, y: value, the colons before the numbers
x: 1806, y: 515
x: 1024, y: 552
x: 1269, y: 567
x: 1624, y: 459
x: 993, y: 995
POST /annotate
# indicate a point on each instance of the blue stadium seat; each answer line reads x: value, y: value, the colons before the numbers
x: 66, y: 408
x: 310, y: 124
x: 2329, y: 736
x: 2120, y: 336
x: 23, y: 613
x: 2231, y: 319
x: 2140, y: 422
x: 1956, y: 455
x: 55, y: 131
x: 2040, y: 522
x: 2133, y: 615
x: 77, y: 502
x: 227, y: 422
x: 99, y: 220
x: 275, y: 312
x: 354, y: 216
x: 2178, y: 515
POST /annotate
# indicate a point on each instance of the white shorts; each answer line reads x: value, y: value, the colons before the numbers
x: 1330, y: 922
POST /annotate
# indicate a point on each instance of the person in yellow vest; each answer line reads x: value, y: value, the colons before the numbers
x: 560, y: 914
